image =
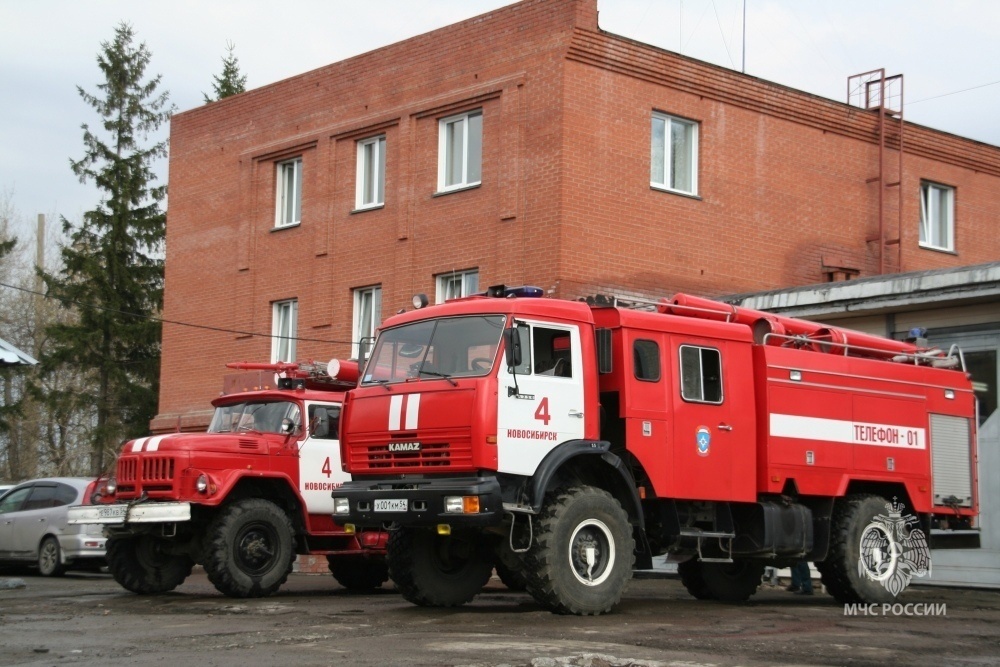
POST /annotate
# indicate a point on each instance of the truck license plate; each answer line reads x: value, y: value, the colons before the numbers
x: 390, y: 505
x: 113, y: 512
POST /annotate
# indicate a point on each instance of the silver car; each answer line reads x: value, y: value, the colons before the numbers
x: 33, y: 526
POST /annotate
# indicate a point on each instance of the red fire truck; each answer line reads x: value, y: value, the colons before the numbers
x: 242, y: 499
x: 572, y: 441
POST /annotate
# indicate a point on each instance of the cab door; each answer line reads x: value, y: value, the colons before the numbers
x: 713, y: 446
x: 541, y: 401
x: 320, y: 472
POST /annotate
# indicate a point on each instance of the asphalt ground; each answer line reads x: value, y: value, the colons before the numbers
x: 88, y: 619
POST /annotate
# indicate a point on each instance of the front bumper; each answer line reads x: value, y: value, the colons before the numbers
x: 121, y: 514
x: 424, y: 501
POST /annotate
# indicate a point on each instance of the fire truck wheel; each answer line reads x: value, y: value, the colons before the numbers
x: 732, y: 582
x: 49, y: 558
x: 583, y: 552
x: 357, y: 574
x: 510, y: 567
x: 142, y: 565
x: 434, y: 570
x: 694, y: 579
x: 249, y: 549
x: 842, y: 572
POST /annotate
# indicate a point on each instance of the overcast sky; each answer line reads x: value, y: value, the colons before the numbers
x: 48, y: 47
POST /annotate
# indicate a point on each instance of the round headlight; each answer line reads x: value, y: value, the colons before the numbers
x: 110, y: 486
x: 201, y: 484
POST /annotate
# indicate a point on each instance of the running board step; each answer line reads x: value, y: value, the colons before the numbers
x: 695, y: 532
x: 716, y: 560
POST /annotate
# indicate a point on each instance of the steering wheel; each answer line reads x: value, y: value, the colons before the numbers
x: 480, y: 364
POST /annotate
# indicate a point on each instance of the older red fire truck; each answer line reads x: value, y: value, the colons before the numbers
x: 242, y: 499
x: 572, y: 441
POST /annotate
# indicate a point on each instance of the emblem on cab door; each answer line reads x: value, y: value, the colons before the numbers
x: 703, y: 438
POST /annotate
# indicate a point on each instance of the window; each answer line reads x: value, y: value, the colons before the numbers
x: 674, y: 154
x: 457, y: 284
x: 283, y: 326
x: 646, y: 359
x: 553, y: 352
x: 371, y: 173
x: 367, y: 317
x: 460, y: 151
x: 289, y: 189
x: 324, y: 422
x: 937, y: 216
x: 701, y: 374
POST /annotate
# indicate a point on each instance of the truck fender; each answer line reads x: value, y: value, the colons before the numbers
x: 554, y: 461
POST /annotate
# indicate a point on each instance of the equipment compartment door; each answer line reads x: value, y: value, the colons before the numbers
x: 541, y: 401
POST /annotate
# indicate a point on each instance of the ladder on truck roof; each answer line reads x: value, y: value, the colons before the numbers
x: 778, y: 330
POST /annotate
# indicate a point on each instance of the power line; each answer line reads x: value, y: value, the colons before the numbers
x: 161, y: 320
x: 956, y: 92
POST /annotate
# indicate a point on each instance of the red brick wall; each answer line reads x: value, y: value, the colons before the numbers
x: 565, y: 201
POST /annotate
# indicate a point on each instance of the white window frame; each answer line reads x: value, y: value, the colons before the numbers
x: 284, y: 325
x: 930, y: 226
x: 468, y: 283
x: 282, y: 217
x: 666, y: 162
x: 371, y: 171
x: 467, y: 178
x: 371, y: 296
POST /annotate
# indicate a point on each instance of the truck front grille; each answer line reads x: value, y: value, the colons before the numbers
x: 454, y: 454
x: 152, y: 474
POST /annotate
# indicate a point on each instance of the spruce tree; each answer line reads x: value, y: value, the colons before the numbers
x: 112, y: 266
x: 231, y: 81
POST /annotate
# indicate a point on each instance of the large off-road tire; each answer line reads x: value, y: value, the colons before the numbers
x: 693, y: 579
x: 852, y: 516
x: 50, y: 558
x: 142, y: 565
x: 434, y: 570
x: 732, y: 582
x: 510, y: 567
x: 250, y: 548
x: 583, y: 552
x: 359, y: 574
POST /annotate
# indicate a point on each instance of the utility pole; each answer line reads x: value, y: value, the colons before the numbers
x: 39, y: 267
x: 744, y: 66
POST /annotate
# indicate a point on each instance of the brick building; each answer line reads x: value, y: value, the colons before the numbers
x: 528, y: 146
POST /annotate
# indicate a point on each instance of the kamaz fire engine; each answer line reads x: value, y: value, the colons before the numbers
x: 242, y: 499
x: 573, y: 441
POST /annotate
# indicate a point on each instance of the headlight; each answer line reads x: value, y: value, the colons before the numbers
x: 201, y: 484
x: 110, y: 486
x: 341, y: 506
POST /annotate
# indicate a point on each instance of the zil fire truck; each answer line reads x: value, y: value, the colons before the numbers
x: 574, y: 441
x: 242, y: 499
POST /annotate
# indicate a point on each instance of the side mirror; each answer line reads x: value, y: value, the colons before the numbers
x: 287, y: 426
x: 512, y: 347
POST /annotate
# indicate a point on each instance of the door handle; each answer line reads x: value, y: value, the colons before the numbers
x: 725, y: 427
x: 576, y: 413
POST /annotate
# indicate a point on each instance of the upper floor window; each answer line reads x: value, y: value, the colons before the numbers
x: 937, y: 216
x: 457, y: 284
x: 284, y: 321
x: 460, y: 151
x: 288, y: 205
x: 701, y: 374
x: 367, y: 318
x: 674, y: 154
x: 371, y: 173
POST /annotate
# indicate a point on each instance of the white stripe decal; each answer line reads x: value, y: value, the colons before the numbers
x: 137, y: 445
x: 395, y: 411
x: 850, y: 432
x: 154, y: 443
x: 412, y: 411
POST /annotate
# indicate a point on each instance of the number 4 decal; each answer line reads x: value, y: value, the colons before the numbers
x: 542, y: 412
x: 326, y: 467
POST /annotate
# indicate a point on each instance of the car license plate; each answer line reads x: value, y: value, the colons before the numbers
x: 390, y: 505
x: 113, y: 512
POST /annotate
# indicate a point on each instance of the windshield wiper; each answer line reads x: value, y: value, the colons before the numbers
x: 440, y: 375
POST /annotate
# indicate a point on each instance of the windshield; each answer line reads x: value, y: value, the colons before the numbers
x: 448, y: 347
x: 254, y: 416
